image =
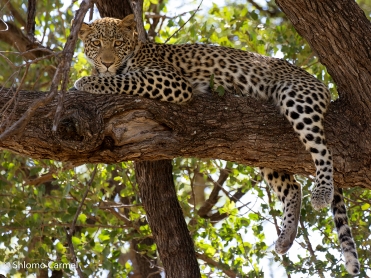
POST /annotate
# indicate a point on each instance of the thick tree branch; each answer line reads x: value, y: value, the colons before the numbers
x: 119, y: 128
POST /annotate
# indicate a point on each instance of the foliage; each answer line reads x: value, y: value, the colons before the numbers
x: 40, y: 198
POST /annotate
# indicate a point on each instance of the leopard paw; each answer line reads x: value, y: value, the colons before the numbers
x: 90, y: 84
x: 322, y: 195
x: 284, y: 242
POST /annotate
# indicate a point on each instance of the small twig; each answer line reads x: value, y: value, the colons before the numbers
x: 218, y: 265
x: 278, y: 230
x: 224, y: 190
x: 49, y: 176
x: 10, y: 63
x: 214, y: 195
x: 6, y: 26
x: 30, y: 51
x: 73, y: 254
x: 118, y: 215
x: 66, y: 225
x: 192, y: 187
x: 111, y: 205
x: 154, y: 273
x: 313, y: 256
x: 148, y: 15
x: 14, y: 98
x: 259, y: 8
x: 63, y: 68
x: 181, y: 27
x: 70, y: 232
x: 68, y: 54
x: 14, y: 12
x: 73, y: 224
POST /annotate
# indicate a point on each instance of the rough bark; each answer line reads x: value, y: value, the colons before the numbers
x: 171, y: 237
x: 109, y: 129
x: 113, y: 8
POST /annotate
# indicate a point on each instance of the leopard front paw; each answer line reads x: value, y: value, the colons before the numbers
x: 90, y: 84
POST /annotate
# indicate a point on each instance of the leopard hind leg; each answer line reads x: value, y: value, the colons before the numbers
x: 288, y: 191
x: 305, y: 111
x: 346, y: 240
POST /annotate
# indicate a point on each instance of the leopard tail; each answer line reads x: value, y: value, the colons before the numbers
x: 346, y: 240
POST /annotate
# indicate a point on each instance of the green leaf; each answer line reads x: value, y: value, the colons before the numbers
x: 254, y: 15
x: 220, y: 90
x: 76, y: 240
x: 60, y: 248
x: 82, y: 218
x: 212, y: 81
x: 365, y: 206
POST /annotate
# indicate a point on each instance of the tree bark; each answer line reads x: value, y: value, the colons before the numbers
x: 172, y: 237
x: 113, y: 8
x: 109, y: 129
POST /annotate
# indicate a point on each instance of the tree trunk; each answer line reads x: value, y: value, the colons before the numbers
x: 166, y: 219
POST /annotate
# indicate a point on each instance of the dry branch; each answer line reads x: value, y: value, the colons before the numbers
x: 62, y: 71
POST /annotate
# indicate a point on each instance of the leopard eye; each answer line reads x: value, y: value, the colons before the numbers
x: 118, y: 43
x: 96, y: 43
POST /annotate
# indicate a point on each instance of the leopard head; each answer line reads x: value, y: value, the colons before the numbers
x: 108, y: 41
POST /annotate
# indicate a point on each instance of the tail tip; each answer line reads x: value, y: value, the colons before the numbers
x: 353, y: 267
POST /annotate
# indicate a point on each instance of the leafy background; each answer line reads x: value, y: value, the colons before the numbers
x: 40, y: 197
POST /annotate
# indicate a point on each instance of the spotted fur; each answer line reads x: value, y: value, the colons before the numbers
x: 288, y: 191
x: 173, y: 73
x: 344, y: 233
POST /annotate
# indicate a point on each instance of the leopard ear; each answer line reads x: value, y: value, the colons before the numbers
x: 84, y: 30
x: 128, y: 22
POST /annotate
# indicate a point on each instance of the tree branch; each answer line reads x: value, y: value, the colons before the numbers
x: 71, y: 231
x: 214, y: 195
x: 30, y: 26
x: 111, y: 128
x: 218, y: 265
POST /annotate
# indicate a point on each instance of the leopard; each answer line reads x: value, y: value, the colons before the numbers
x: 175, y: 73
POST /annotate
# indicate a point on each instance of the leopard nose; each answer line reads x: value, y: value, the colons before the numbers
x: 107, y: 64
